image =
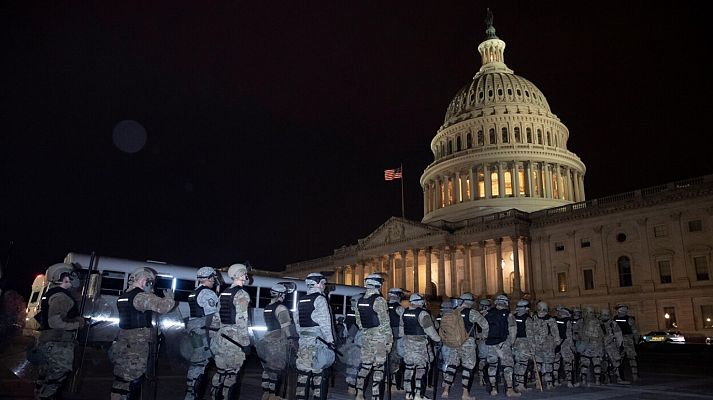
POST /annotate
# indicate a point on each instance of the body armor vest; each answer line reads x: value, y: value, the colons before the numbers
x: 227, y: 309
x: 43, y: 316
x: 623, y: 323
x: 305, y: 307
x: 270, y: 316
x: 562, y: 327
x: 196, y: 310
x: 521, y: 321
x: 129, y: 316
x: 546, y: 318
x: 367, y: 315
x: 466, y: 321
x: 411, y: 324
x: 393, y: 315
x: 498, y: 323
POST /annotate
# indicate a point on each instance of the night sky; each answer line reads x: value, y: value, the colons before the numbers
x: 268, y: 126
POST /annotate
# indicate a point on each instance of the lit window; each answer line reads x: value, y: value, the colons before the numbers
x: 695, y: 225
x: 624, y: 267
x: 665, y: 271
x: 481, y: 138
x: 660, y: 231
x: 528, y: 133
x: 707, y: 314
x: 588, y: 279
x: 701, y: 265
x: 562, y: 281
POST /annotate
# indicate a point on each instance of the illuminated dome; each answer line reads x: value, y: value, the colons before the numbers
x: 500, y: 147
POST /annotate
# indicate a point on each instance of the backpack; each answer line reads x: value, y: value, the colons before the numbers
x: 452, y: 329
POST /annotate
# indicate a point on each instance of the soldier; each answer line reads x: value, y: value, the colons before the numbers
x: 279, y: 342
x: 484, y: 305
x: 372, y: 316
x: 545, y: 335
x: 577, y: 338
x: 564, y: 351
x: 465, y: 355
x: 201, y: 327
x: 522, y: 348
x: 316, y: 338
x: 351, y: 350
x: 59, y: 318
x: 233, y: 340
x: 395, y: 360
x: 131, y: 349
x: 613, y: 340
x: 501, y: 335
x: 628, y: 327
x: 417, y: 327
x: 590, y: 333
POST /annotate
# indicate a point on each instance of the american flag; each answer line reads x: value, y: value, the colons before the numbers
x: 391, y: 174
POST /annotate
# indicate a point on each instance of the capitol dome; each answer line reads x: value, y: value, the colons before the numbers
x: 500, y: 147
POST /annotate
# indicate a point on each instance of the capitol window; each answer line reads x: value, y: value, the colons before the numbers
x: 481, y: 138
x: 506, y: 138
x: 469, y: 140
x: 665, y: 271
x: 561, y: 282
x: 539, y: 136
x: 707, y: 315
x: 549, y: 142
x: 660, y: 231
x: 458, y: 144
x: 588, y: 279
x: 491, y: 133
x: 695, y: 225
x: 516, y: 132
x: 624, y: 267
x: 528, y: 132
x: 701, y: 265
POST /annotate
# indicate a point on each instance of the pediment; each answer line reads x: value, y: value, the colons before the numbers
x: 397, y: 230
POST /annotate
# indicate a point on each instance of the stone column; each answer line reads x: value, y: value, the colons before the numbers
x: 488, y: 183
x: 429, y: 279
x: 425, y: 199
x: 560, y: 192
x: 529, y: 278
x: 548, y: 180
x: 473, y: 184
x: 437, y: 194
x: 483, y: 270
x: 581, y: 188
x: 501, y: 180
x: 441, y: 271
x: 499, y: 263
x: 402, y: 253
x: 467, y: 277
x: 515, y: 179
x: 453, y: 252
x: 575, y: 186
x: 528, y: 178
x: 359, y: 281
x: 416, y: 288
x: 456, y: 188
x: 516, y: 289
x: 541, y: 180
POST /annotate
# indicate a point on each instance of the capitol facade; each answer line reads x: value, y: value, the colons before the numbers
x: 505, y: 211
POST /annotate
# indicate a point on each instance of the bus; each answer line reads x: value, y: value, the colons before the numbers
x: 111, y: 279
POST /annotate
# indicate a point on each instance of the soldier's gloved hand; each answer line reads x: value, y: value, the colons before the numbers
x: 168, y: 294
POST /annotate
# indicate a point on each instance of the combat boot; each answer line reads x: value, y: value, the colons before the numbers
x: 493, y: 392
x: 360, y: 395
x: 446, y: 389
x: 512, y: 393
x: 467, y: 396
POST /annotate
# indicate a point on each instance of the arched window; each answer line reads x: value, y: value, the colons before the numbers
x: 528, y: 132
x: 481, y: 138
x: 458, y: 144
x: 549, y: 141
x: 506, y: 138
x: 518, y: 139
x: 624, y: 266
x: 491, y: 133
x: 539, y: 136
x: 469, y: 140
x: 450, y: 147
x: 443, y: 149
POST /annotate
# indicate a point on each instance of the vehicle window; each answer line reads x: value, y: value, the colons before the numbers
x: 112, y: 283
x: 264, y: 297
x: 337, y: 303
x: 162, y: 283
x: 184, y: 287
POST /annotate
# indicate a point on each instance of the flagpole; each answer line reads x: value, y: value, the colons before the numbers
x: 403, y: 214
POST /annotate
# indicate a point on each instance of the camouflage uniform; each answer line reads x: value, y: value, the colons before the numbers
x: 279, y: 341
x: 564, y: 351
x: 131, y: 349
x: 232, y: 337
x: 480, y: 337
x: 395, y: 360
x: 613, y: 340
x: 544, y: 338
x: 351, y: 349
x: 465, y: 355
x: 576, y: 322
x: 501, y: 335
x: 591, y: 345
x: 201, y: 327
x: 522, y: 348
x: 315, y: 320
x: 416, y: 327
x: 59, y: 318
x: 372, y: 317
x: 629, y: 330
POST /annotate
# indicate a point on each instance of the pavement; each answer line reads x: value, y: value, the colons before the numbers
x: 668, y: 371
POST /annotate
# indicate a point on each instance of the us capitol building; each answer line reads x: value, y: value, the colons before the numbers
x: 505, y: 211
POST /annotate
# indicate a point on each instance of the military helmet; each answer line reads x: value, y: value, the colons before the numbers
x: 485, y: 303
x: 467, y: 297
x: 57, y: 272
x: 236, y: 270
x: 141, y: 272
x: 502, y: 300
x: 604, y: 314
x: 278, y: 289
x: 543, y: 307
x: 314, y: 278
x: 205, y: 273
x: 564, y: 312
x: 416, y: 299
x: 396, y: 293
x: 374, y: 281
x: 522, y: 303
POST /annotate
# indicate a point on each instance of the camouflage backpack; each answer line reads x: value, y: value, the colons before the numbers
x: 452, y: 329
